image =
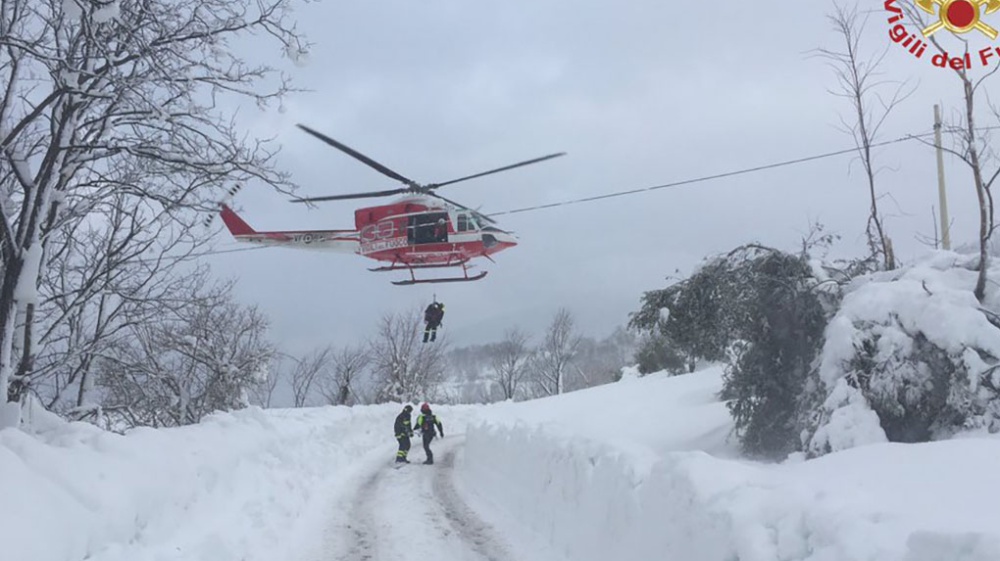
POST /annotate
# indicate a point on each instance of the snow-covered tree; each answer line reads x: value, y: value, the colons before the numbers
x: 908, y: 358
x: 205, y: 354
x: 757, y: 309
x: 262, y: 394
x: 405, y: 368
x: 118, y: 98
x: 657, y: 352
x: 103, y: 276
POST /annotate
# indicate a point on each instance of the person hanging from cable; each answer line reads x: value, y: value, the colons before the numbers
x: 432, y: 319
x: 403, y: 432
x: 426, y: 423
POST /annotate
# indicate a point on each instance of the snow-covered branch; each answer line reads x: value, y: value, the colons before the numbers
x: 117, y: 103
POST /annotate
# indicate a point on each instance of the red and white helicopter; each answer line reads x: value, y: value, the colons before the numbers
x: 421, y: 230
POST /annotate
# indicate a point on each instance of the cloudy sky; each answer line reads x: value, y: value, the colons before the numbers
x: 637, y: 92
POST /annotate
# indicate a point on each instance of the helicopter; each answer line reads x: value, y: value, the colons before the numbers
x: 419, y: 230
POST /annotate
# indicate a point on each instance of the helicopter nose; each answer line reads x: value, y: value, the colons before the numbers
x: 498, y: 239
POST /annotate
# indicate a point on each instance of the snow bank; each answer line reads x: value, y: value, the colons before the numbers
x: 645, y: 416
x: 596, y: 491
x: 241, y: 486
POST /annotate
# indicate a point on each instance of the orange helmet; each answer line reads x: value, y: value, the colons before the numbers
x: 425, y: 408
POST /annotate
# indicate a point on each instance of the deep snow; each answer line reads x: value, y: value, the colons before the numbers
x: 637, y: 470
x: 649, y: 475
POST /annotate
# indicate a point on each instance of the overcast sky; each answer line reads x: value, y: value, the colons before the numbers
x: 638, y: 93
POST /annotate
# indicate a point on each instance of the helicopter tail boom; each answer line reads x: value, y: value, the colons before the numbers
x: 340, y: 241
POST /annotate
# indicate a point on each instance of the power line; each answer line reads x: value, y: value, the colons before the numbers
x: 702, y: 179
x: 711, y: 177
x: 221, y: 251
x: 190, y: 256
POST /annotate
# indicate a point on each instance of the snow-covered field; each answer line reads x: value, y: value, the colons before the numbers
x: 637, y: 470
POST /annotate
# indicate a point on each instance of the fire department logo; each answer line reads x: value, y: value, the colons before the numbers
x: 960, y: 17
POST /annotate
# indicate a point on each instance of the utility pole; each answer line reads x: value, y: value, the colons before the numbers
x: 943, y: 197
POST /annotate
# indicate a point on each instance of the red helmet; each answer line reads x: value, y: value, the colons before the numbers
x: 425, y: 407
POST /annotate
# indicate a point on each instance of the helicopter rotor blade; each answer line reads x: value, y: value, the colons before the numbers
x: 447, y: 200
x: 461, y: 206
x: 351, y: 196
x: 498, y: 170
x: 359, y: 156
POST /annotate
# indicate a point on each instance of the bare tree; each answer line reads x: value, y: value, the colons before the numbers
x: 203, y: 356
x: 858, y: 80
x: 306, y: 374
x: 102, y: 277
x: 509, y: 363
x: 404, y: 368
x: 552, y: 359
x: 972, y: 143
x: 95, y: 91
x: 348, y: 365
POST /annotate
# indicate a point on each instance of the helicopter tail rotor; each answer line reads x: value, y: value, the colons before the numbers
x: 222, y: 203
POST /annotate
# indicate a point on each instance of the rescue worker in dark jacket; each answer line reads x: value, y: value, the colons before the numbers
x: 403, y: 433
x: 426, y: 422
x: 432, y: 317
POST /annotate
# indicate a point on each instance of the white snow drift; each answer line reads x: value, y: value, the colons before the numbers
x: 637, y: 470
x: 241, y: 486
x: 624, y: 472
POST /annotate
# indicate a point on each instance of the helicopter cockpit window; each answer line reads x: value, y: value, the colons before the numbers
x: 465, y: 224
x: 428, y: 228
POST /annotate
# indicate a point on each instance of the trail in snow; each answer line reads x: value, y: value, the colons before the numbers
x: 469, y: 526
x: 360, y: 537
x: 413, y: 510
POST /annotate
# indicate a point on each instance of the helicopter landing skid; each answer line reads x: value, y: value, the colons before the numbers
x: 431, y: 281
x: 414, y: 280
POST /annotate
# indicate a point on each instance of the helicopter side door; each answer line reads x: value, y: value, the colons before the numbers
x: 428, y: 227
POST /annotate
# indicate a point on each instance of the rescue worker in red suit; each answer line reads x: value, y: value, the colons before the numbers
x: 403, y: 433
x: 432, y: 318
x: 426, y: 423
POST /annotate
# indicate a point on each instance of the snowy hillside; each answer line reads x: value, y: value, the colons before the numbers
x: 637, y: 470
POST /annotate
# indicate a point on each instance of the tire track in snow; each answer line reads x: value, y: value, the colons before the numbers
x: 412, y: 510
x: 480, y: 536
x: 349, y: 533
x: 360, y: 522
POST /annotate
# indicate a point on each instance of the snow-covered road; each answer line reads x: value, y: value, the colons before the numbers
x: 410, y: 511
x: 652, y: 476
